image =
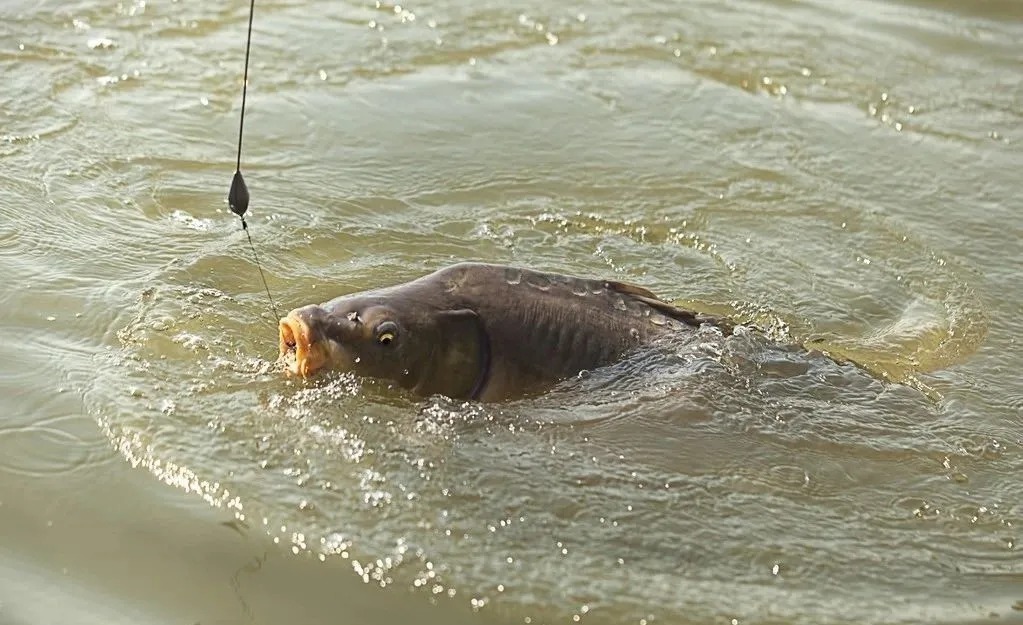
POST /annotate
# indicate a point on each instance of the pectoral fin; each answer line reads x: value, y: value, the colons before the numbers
x: 461, y: 362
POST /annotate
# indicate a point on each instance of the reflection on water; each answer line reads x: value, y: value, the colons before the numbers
x: 842, y: 177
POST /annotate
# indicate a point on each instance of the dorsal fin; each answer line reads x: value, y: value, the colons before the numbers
x: 668, y: 310
x: 626, y: 288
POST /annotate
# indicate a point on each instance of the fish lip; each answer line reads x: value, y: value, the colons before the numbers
x: 297, y: 340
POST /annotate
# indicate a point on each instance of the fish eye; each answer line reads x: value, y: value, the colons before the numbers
x: 387, y: 332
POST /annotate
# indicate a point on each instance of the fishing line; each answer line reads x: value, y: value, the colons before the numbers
x: 238, y: 196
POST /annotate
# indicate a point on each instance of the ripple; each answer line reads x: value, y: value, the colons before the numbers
x: 344, y: 469
x: 936, y: 327
x: 42, y: 450
x: 719, y: 158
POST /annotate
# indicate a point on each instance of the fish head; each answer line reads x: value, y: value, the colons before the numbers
x: 415, y: 344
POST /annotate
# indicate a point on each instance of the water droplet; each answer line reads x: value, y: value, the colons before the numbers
x: 620, y: 304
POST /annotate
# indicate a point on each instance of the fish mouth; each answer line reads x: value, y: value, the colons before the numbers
x: 301, y: 354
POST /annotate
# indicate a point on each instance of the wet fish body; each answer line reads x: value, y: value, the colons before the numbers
x: 479, y: 331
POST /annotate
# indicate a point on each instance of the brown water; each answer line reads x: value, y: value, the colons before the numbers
x: 841, y: 173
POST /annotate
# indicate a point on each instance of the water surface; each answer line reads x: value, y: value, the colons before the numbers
x: 840, y: 175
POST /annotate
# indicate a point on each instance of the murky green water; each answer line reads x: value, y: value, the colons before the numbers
x: 842, y: 173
